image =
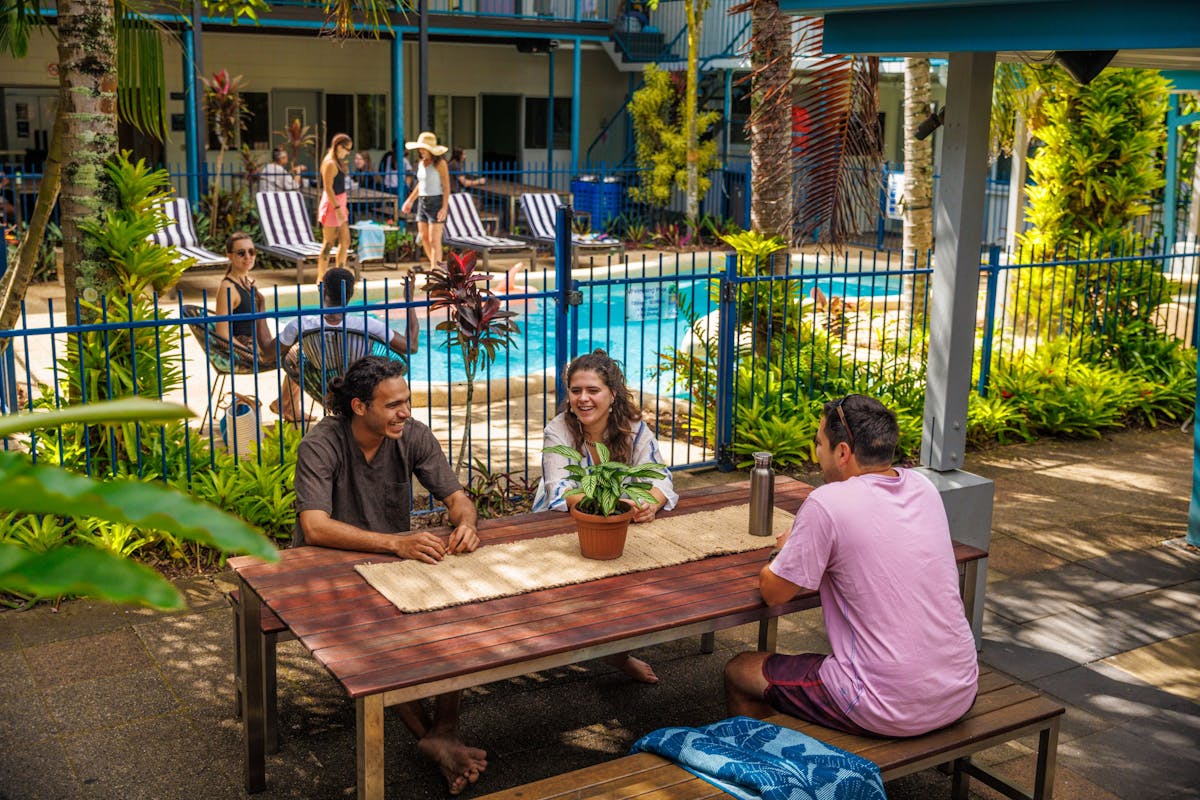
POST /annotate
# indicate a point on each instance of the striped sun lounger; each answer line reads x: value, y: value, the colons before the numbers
x: 180, y: 233
x: 287, y: 228
x: 465, y: 229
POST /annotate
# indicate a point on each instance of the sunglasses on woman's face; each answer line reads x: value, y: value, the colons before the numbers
x: 248, y: 252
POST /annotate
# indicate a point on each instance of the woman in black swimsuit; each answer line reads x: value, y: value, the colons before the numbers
x: 236, y: 295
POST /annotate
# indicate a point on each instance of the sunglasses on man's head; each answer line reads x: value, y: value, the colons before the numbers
x: 845, y: 424
x: 243, y: 253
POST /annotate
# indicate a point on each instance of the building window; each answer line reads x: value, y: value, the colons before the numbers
x: 371, y: 130
x: 535, y: 122
x: 258, y: 122
x: 453, y: 120
x: 339, y: 118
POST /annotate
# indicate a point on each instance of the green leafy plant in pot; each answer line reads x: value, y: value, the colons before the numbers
x: 607, y: 491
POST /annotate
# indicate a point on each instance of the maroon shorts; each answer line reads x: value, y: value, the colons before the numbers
x: 794, y: 687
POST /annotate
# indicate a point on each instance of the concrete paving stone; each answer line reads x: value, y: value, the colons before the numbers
x: 37, y: 769
x: 1160, y: 566
x: 87, y: 657
x: 1114, y: 695
x: 23, y: 717
x: 1049, y: 592
x: 1173, y: 665
x: 8, y: 636
x: 1090, y: 633
x: 111, y: 700
x: 1134, y: 531
x: 163, y: 758
x: 1024, y: 662
x: 1135, y: 762
x: 1068, y: 784
x: 43, y: 623
x: 1016, y: 558
x: 195, y: 654
x: 203, y: 593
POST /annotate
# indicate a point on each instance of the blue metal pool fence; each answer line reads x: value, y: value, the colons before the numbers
x: 699, y: 340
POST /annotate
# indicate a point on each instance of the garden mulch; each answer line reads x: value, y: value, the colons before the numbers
x: 1092, y: 597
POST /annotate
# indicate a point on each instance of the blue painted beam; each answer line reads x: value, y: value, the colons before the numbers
x: 576, y: 94
x: 1006, y: 26
x: 1183, y: 81
x: 191, y: 124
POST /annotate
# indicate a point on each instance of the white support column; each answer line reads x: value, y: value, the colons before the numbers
x: 959, y: 225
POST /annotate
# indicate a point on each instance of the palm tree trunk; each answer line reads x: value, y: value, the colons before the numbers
x: 1016, y: 181
x: 770, y: 122
x: 918, y: 183
x: 695, y: 16
x: 87, y: 55
x: 17, y: 279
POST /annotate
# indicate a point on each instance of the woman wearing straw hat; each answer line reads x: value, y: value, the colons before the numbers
x: 431, y: 194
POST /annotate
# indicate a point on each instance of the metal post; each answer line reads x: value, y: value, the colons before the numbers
x: 1171, y: 189
x: 959, y: 213
x: 881, y: 227
x: 423, y: 64
x: 727, y: 323
x: 989, y: 319
x: 398, y: 115
x: 190, y: 113
x: 576, y: 95
x: 550, y: 123
x: 1193, y: 530
x: 564, y: 339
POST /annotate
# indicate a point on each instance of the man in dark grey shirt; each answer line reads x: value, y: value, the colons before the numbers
x: 353, y: 473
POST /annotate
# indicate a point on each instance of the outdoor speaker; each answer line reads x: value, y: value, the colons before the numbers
x: 1084, y: 64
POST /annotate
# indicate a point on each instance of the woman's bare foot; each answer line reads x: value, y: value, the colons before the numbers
x: 635, y: 668
x: 460, y: 765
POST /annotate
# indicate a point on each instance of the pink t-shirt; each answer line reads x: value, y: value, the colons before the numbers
x: 878, y: 550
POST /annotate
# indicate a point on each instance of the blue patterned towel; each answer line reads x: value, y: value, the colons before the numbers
x: 751, y: 759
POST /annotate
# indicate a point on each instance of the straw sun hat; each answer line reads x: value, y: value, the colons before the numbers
x: 427, y: 141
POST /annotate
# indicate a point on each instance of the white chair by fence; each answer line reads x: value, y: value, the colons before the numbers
x: 180, y: 233
x: 540, y: 212
x: 465, y: 229
x: 287, y: 229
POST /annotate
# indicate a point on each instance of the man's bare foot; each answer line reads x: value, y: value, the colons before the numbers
x: 460, y: 765
x: 635, y: 668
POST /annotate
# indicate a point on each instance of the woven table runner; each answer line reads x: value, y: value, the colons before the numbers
x: 500, y: 570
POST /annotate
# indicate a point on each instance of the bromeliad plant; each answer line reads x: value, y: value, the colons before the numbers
x: 477, y: 323
x: 603, y: 485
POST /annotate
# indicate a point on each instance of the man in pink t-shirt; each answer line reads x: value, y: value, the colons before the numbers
x: 874, y: 541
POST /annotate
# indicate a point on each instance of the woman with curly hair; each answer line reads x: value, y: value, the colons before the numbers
x: 600, y: 409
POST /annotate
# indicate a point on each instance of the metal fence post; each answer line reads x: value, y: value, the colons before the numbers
x: 989, y: 319
x: 881, y: 228
x: 567, y: 297
x: 726, y: 363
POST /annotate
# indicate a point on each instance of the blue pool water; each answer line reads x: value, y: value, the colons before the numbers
x: 633, y: 322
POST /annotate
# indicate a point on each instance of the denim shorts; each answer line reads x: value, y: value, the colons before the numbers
x: 428, y: 208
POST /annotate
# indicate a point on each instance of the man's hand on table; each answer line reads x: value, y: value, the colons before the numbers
x: 463, y: 539
x: 423, y: 546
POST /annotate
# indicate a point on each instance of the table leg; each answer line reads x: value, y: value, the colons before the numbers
x: 768, y: 633
x: 254, y: 689
x: 369, y: 747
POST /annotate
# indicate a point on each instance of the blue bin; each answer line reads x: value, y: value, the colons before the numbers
x: 599, y: 199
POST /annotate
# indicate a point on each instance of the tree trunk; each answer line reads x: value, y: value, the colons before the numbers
x: 87, y: 55
x: 1193, y: 225
x: 770, y: 122
x: 16, y: 280
x: 918, y: 184
x: 1016, y: 182
x: 695, y: 16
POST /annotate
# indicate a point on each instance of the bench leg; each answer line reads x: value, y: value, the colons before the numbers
x: 270, y: 672
x: 708, y: 643
x: 254, y: 733
x: 1043, y: 786
x: 369, y: 746
x: 960, y: 781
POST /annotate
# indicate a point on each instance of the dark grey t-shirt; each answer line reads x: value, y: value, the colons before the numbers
x: 333, y: 476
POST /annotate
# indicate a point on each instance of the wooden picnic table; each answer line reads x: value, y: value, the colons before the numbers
x: 382, y: 657
x: 358, y: 197
x: 509, y: 194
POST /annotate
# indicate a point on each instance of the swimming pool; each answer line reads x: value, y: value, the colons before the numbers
x: 634, y: 322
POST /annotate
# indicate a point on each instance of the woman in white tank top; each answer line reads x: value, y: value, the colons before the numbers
x: 430, y: 194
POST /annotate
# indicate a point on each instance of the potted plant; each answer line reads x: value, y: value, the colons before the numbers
x: 607, y: 491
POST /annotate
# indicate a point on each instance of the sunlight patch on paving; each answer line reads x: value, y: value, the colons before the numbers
x: 1173, y: 665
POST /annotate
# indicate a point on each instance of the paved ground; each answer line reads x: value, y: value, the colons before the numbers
x: 1092, y: 597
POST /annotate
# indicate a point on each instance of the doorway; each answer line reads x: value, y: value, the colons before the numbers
x: 500, y: 139
x: 304, y: 105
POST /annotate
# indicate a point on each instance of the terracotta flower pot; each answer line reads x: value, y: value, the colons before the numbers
x: 602, y: 538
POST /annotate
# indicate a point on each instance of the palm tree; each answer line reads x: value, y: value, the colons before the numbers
x: 918, y: 183
x: 770, y: 51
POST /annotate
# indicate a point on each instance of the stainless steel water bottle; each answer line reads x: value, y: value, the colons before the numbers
x: 762, y: 495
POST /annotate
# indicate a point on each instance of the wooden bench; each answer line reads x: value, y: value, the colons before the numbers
x: 1003, y: 711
